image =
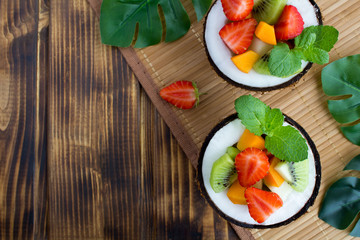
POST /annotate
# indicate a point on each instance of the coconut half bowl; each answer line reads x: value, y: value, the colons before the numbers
x: 227, y: 133
x: 219, y: 55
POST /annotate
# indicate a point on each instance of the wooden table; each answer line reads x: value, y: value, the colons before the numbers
x: 84, y: 154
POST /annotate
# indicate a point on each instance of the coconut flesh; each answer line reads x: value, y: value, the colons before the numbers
x: 227, y: 136
x: 221, y: 55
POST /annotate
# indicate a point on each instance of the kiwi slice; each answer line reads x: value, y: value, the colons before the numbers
x: 295, y: 173
x: 262, y: 65
x: 223, y: 173
x: 268, y: 11
x: 232, y: 151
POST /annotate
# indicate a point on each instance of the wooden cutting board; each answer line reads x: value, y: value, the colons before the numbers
x: 305, y: 102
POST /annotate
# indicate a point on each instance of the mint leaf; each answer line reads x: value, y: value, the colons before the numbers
x: 287, y: 144
x: 284, y: 62
x: 326, y: 37
x: 252, y: 112
x: 273, y: 119
x: 316, y: 55
x: 305, y: 40
x: 312, y: 45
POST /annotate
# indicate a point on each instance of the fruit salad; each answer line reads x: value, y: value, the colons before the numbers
x: 265, y: 44
x: 257, y: 169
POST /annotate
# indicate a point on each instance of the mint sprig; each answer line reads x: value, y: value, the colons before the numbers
x: 284, y: 142
x: 312, y: 45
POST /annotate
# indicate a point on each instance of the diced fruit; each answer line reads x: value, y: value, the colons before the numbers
x: 236, y: 193
x: 266, y: 33
x: 248, y: 139
x: 232, y: 151
x: 251, y: 165
x: 283, y: 191
x: 223, y: 173
x: 262, y: 203
x: 290, y: 24
x: 260, y: 47
x: 238, y: 35
x: 295, y: 173
x: 273, y: 178
x: 268, y: 11
x: 238, y: 9
x: 245, y: 61
x: 262, y: 65
x: 182, y: 94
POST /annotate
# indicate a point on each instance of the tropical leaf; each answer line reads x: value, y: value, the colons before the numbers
x: 354, y: 164
x: 342, y: 79
x: 123, y: 20
x: 341, y: 204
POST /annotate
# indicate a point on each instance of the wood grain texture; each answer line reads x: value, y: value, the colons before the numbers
x: 23, y: 51
x: 114, y: 169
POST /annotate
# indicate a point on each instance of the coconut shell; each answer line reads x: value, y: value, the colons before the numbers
x: 302, y: 211
x: 291, y: 81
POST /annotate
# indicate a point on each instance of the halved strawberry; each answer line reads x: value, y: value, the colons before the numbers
x: 182, y: 94
x: 238, y: 35
x: 262, y: 203
x: 236, y: 10
x: 252, y: 164
x: 290, y: 24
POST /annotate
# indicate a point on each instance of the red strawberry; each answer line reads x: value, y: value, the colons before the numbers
x: 236, y: 10
x: 290, y: 24
x: 182, y: 94
x: 262, y: 203
x: 252, y: 164
x: 238, y: 35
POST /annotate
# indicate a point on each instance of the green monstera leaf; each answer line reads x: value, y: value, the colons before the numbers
x: 123, y: 20
x: 341, y: 203
x: 342, y: 78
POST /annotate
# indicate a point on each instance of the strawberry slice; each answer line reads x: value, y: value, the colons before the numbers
x: 262, y: 203
x: 290, y: 24
x: 252, y: 164
x: 236, y: 10
x: 238, y: 35
x: 182, y: 94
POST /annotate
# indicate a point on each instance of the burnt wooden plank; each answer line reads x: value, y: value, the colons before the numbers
x: 115, y: 171
x: 23, y: 39
x: 78, y: 128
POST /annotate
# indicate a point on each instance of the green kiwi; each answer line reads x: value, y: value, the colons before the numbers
x: 268, y: 11
x: 232, y: 151
x: 295, y: 173
x: 223, y: 173
x: 262, y: 65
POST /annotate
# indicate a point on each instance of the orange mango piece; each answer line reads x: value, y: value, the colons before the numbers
x: 248, y: 139
x: 245, y: 61
x: 266, y: 33
x: 273, y: 178
x: 236, y: 193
